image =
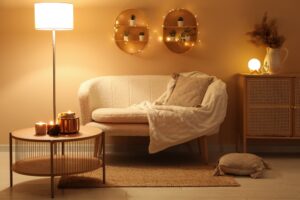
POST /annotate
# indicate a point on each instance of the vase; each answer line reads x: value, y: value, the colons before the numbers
x: 274, y: 59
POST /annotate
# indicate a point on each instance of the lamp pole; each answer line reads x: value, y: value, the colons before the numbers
x: 54, y: 74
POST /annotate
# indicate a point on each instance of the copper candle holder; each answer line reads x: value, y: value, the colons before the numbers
x: 69, y: 125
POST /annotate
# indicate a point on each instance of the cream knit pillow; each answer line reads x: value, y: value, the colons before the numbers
x: 189, y: 91
x: 241, y: 164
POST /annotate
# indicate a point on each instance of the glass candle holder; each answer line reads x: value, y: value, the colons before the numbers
x: 53, y: 129
x: 40, y: 128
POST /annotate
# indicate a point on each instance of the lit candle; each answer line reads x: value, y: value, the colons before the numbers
x: 53, y: 129
x: 67, y: 115
x: 40, y: 128
x: 70, y: 114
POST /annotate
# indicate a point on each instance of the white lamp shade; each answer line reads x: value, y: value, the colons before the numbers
x: 53, y: 16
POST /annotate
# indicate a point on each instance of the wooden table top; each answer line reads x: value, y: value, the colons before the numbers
x: 28, y: 134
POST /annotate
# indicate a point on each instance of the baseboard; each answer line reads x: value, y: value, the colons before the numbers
x: 4, y: 147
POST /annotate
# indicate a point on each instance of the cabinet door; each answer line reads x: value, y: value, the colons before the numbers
x: 269, y: 107
x: 297, y: 108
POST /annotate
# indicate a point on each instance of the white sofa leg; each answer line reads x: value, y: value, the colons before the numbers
x: 202, y: 144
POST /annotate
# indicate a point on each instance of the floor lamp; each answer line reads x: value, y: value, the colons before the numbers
x: 53, y: 17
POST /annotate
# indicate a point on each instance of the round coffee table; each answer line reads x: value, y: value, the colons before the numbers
x: 56, y: 156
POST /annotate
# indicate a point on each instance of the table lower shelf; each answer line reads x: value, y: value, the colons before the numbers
x: 62, y: 165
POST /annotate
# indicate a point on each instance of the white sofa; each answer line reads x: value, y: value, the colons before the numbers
x: 101, y: 99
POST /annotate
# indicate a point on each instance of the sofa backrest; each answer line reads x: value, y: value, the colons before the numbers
x: 123, y: 91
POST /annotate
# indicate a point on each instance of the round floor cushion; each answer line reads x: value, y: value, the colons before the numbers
x: 241, y: 164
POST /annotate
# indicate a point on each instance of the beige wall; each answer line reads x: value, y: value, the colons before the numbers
x: 89, y: 51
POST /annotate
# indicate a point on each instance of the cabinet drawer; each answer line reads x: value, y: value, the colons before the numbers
x: 269, y: 91
x: 269, y: 122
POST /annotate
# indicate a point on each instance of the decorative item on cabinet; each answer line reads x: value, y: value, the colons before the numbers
x: 254, y: 66
x: 180, y: 30
x: 126, y: 36
x: 141, y: 36
x: 131, y: 31
x: 266, y: 34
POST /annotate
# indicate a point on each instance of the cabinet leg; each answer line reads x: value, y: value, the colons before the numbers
x: 10, y: 160
x: 63, y: 148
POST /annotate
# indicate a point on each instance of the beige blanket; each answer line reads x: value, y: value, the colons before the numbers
x: 173, y: 125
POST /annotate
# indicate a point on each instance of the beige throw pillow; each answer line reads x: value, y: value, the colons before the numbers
x: 189, y: 91
x: 241, y: 164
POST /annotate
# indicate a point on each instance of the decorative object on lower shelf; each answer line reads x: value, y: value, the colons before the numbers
x: 186, y: 35
x: 40, y: 128
x: 141, y: 36
x: 126, y: 36
x: 53, y: 129
x: 172, y: 36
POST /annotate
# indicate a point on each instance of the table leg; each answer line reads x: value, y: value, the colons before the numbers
x: 52, y: 170
x: 63, y: 148
x: 10, y: 160
x: 103, y: 157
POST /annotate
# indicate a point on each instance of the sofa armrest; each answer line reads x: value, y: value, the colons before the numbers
x: 84, y: 96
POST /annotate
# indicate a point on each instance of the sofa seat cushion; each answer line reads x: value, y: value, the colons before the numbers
x: 113, y: 129
x: 120, y: 115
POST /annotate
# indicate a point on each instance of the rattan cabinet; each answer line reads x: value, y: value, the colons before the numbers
x: 270, y: 106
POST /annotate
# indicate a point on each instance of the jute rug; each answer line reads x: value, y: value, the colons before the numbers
x: 150, y: 171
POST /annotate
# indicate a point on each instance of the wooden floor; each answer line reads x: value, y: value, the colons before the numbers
x: 280, y: 183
